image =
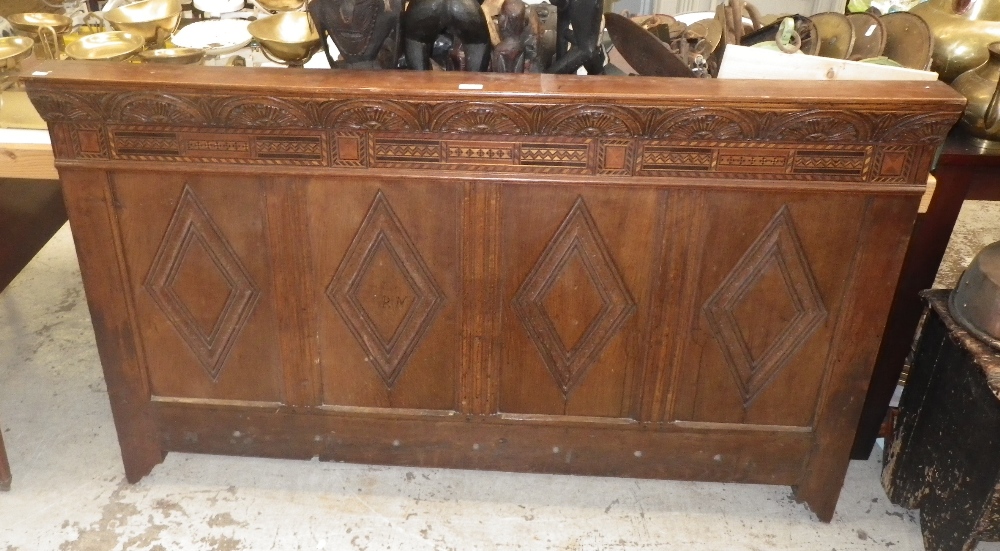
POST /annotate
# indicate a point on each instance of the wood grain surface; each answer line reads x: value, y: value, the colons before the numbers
x: 550, y: 274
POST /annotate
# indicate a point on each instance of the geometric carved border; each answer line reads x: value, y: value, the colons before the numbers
x: 190, y: 227
x: 382, y: 230
x: 577, y: 239
x: 786, y: 141
x: 778, y: 246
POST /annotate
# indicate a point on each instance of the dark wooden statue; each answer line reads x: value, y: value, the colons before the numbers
x: 517, y: 51
x: 577, y: 37
x: 462, y: 20
x: 360, y: 29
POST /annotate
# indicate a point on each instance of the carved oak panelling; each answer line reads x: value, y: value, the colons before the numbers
x: 615, y: 157
x: 156, y: 109
x: 615, y: 140
x: 845, y: 162
x: 702, y: 123
x: 893, y: 164
x: 194, y: 251
x: 89, y: 141
x: 350, y: 149
x: 707, y: 123
x: 480, y: 118
x: 370, y: 115
x: 577, y: 258
x: 777, y: 253
x: 384, y: 291
x: 141, y: 143
x: 818, y: 126
x: 549, y: 155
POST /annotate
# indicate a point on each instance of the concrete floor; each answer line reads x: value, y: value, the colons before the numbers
x: 69, y: 491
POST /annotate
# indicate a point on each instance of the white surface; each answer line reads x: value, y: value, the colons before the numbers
x: 216, y: 37
x: 741, y: 62
x: 219, y: 6
x: 19, y: 136
x: 69, y: 492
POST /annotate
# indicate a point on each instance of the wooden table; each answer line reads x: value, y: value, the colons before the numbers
x: 31, y: 211
x: 943, y: 455
x: 667, y: 278
x: 963, y: 171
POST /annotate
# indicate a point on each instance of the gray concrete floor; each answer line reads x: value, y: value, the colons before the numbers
x: 69, y: 490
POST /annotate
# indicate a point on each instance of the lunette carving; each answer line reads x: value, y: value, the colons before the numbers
x: 819, y: 126
x: 702, y: 123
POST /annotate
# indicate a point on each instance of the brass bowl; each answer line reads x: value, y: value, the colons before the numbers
x: 31, y: 22
x: 289, y: 37
x: 106, y: 46
x: 13, y: 49
x: 280, y: 5
x: 146, y: 18
x: 173, y: 56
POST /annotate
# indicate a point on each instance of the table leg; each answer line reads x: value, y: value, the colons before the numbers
x: 5, y: 476
x: 923, y: 257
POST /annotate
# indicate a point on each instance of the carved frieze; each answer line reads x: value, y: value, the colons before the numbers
x: 617, y: 140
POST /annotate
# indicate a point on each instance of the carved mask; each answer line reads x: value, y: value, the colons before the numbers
x: 354, y: 25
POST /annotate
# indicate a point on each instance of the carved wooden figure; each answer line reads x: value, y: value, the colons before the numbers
x: 578, y: 37
x: 359, y: 29
x: 517, y: 51
x: 462, y: 20
x: 604, y: 276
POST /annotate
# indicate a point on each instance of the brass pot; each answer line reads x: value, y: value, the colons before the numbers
x: 962, y: 29
x: 980, y: 87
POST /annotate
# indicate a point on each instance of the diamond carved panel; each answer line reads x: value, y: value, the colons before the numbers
x: 574, y: 300
x: 200, y: 285
x: 384, y: 291
x: 766, y: 307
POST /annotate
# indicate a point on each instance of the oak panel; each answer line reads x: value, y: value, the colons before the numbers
x: 201, y: 274
x: 389, y: 306
x: 576, y: 277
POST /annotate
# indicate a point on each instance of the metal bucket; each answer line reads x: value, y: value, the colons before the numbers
x: 975, y: 302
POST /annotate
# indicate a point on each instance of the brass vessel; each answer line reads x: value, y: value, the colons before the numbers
x: 980, y: 87
x: 106, y: 46
x: 153, y: 20
x: 44, y: 28
x: 173, y: 56
x: 13, y: 49
x: 288, y: 37
x: 31, y: 22
x: 962, y: 29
